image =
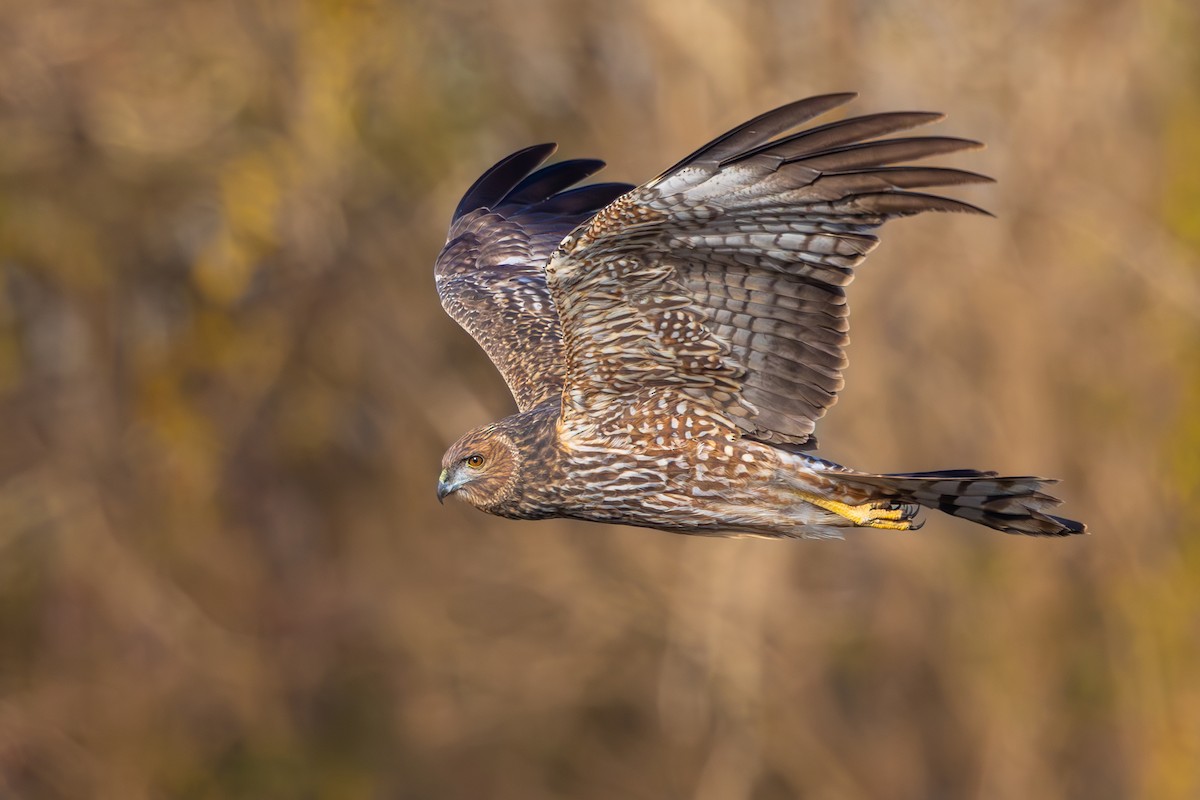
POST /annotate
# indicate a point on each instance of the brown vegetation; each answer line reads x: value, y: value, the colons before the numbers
x: 225, y: 385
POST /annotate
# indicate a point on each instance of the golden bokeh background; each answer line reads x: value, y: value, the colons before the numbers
x: 226, y: 383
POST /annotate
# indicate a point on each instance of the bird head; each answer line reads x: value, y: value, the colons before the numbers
x: 481, y: 468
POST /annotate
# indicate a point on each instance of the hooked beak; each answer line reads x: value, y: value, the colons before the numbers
x: 445, y: 487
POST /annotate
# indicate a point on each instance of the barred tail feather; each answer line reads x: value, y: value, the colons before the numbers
x: 1010, y: 504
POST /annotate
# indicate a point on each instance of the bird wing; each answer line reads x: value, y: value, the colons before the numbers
x: 725, y: 276
x: 490, y: 274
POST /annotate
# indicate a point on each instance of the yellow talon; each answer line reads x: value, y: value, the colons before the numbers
x: 881, y: 512
x: 889, y: 525
x: 867, y: 515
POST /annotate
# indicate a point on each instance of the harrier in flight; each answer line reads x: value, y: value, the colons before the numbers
x: 671, y: 346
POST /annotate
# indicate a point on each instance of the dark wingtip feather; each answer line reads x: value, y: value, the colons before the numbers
x: 760, y: 129
x: 837, y: 134
x: 592, y: 197
x: 901, y: 204
x: 491, y: 187
x: 915, y: 177
x: 547, y: 181
x: 884, y: 152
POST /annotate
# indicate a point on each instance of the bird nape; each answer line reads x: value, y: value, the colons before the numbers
x: 671, y: 346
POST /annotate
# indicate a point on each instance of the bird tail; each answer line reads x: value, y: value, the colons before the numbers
x: 1009, y: 504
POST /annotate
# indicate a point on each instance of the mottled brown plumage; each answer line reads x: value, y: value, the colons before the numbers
x: 671, y: 347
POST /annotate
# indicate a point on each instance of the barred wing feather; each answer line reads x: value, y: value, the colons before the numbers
x: 724, y: 277
x: 490, y: 274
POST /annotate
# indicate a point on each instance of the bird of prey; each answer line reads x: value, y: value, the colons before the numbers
x: 671, y: 346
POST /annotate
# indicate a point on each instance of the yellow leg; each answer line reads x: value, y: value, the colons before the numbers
x: 867, y: 515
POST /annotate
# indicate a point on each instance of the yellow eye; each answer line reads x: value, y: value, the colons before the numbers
x: 475, y: 461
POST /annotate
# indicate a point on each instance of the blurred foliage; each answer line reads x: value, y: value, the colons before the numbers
x: 225, y: 385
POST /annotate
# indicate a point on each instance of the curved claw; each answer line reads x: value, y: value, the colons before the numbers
x: 882, y: 515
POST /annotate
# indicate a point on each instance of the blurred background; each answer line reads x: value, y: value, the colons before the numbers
x: 226, y: 384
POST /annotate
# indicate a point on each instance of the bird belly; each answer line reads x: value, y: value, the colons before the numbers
x: 719, y: 486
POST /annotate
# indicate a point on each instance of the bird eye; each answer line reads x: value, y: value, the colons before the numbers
x: 475, y: 461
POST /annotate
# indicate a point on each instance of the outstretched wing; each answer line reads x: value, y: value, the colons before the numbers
x: 724, y: 277
x: 490, y: 275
